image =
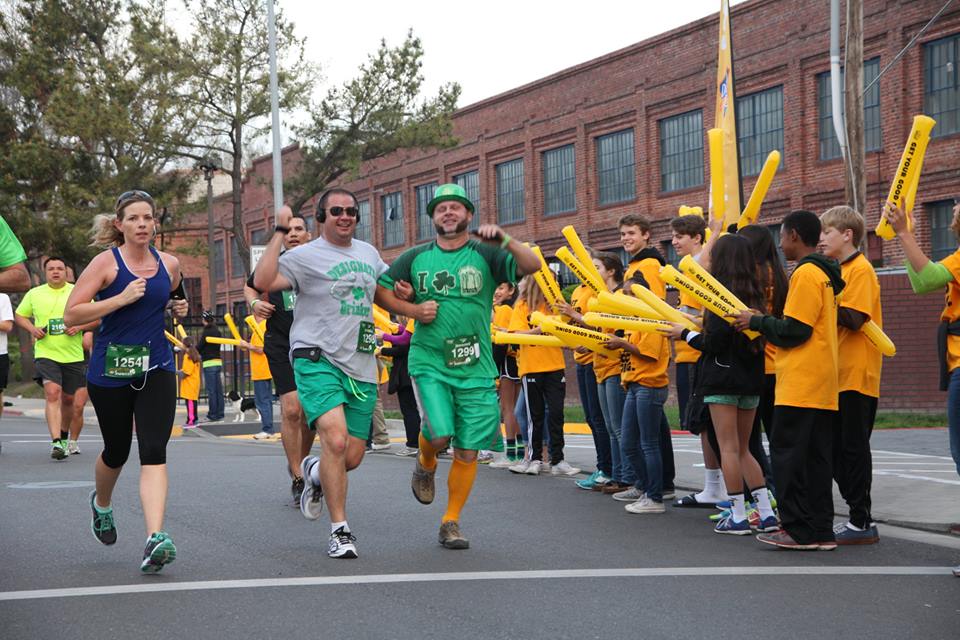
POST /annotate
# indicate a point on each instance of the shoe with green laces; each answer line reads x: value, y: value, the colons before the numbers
x: 102, y: 524
x: 159, y: 551
x: 58, y: 450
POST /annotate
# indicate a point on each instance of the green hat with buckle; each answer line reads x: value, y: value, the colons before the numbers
x: 449, y: 192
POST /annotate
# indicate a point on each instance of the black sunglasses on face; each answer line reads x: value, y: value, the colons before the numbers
x: 336, y: 212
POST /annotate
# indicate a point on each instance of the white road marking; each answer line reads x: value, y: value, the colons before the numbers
x: 910, y: 476
x: 471, y: 576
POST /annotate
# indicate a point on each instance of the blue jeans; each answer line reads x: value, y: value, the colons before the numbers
x: 213, y: 382
x: 263, y: 397
x: 642, y: 415
x: 953, y: 416
x: 590, y: 398
x: 611, y: 404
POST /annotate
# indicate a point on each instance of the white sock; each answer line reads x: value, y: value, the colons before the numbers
x: 722, y: 491
x: 739, y: 508
x: 711, y: 486
x: 336, y: 525
x: 762, y: 498
x: 315, y: 473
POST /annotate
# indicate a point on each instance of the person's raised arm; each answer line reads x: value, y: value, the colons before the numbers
x: 527, y: 261
x: 81, y: 309
x: 266, y: 277
x: 898, y: 220
x: 14, y: 279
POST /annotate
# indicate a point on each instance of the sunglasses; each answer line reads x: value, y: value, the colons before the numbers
x: 336, y: 212
x: 134, y: 195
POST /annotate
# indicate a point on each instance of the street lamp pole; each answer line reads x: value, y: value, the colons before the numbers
x: 209, y: 165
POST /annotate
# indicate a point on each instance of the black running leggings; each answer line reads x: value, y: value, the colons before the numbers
x: 153, y: 407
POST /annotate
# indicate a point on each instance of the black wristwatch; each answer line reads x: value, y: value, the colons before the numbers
x: 283, y: 230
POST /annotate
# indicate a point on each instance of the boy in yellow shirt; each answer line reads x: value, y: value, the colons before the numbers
x: 807, y: 388
x: 859, y: 373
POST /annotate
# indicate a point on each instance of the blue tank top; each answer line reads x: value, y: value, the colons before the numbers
x: 141, y: 323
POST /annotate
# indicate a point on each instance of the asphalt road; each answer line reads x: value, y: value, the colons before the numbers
x: 547, y: 561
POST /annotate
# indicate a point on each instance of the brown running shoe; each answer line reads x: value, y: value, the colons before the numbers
x: 422, y: 483
x: 614, y: 487
x: 450, y: 536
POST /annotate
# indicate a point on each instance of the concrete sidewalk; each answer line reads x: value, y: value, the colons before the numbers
x: 910, y: 489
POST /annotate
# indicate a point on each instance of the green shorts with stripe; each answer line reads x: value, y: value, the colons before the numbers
x: 322, y: 387
x: 468, y: 411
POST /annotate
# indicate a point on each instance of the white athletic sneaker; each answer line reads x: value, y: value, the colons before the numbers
x: 263, y: 435
x: 380, y: 446
x: 485, y: 457
x: 629, y: 495
x: 406, y: 452
x: 520, y: 467
x: 534, y: 468
x: 645, y: 505
x: 311, y: 500
x: 563, y: 468
x: 502, y: 462
x: 342, y: 544
x: 73, y: 448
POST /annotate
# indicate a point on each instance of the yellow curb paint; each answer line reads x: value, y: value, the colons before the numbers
x: 177, y: 431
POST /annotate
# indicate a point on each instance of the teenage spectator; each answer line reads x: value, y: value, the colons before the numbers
x: 212, y: 367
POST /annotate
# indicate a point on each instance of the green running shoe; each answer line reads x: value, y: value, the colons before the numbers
x: 159, y: 551
x: 102, y: 524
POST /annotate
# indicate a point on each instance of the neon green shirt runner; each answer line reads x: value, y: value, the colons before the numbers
x: 457, y: 343
x: 45, y: 306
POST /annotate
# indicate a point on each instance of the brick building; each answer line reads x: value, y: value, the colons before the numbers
x: 626, y: 133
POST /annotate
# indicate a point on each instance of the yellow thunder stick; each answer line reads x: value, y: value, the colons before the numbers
x: 614, y: 321
x: 879, y: 339
x: 579, y: 270
x: 215, y: 340
x: 578, y: 337
x: 529, y: 339
x: 622, y: 305
x: 715, y: 138
x: 174, y: 341
x: 382, y: 320
x: 232, y: 326
x: 545, y: 280
x: 671, y: 276
x: 908, y: 170
x: 752, y: 210
x: 664, y: 309
x: 582, y: 255
x: 254, y: 326
x: 181, y: 332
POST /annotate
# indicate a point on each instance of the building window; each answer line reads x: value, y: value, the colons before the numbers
x: 616, y: 170
x: 510, y: 192
x: 759, y: 128
x: 941, y: 91
x: 219, y: 268
x: 943, y: 241
x: 363, y: 229
x: 559, y: 181
x: 236, y: 262
x: 829, y: 147
x: 470, y: 181
x: 221, y: 311
x: 259, y: 237
x: 681, y: 151
x: 424, y: 193
x: 392, y: 205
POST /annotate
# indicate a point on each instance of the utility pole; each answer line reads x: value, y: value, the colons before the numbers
x: 856, y: 186
x: 209, y: 166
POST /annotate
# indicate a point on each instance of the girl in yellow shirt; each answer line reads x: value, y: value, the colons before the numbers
x: 190, y: 381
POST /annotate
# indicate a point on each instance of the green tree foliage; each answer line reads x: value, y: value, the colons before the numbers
x: 378, y: 112
x: 87, y: 110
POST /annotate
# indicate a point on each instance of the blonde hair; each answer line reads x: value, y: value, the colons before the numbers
x: 104, y: 233
x: 531, y: 294
x: 843, y: 218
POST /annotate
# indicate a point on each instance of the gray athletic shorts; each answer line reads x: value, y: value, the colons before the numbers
x: 69, y: 375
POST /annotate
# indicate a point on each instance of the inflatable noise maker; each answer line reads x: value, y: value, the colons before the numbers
x: 717, y: 197
x: 622, y: 305
x: 752, y: 210
x: 584, y: 258
x: 903, y: 190
x: 181, y: 332
x: 545, y: 280
x: 232, y: 326
x: 573, y: 336
x: 231, y: 341
x: 716, y: 296
x: 528, y: 339
x: 383, y: 322
x: 613, y: 321
x: 706, y: 295
x: 878, y: 338
x: 660, y: 306
x: 173, y: 340
x: 254, y: 327
x: 580, y: 270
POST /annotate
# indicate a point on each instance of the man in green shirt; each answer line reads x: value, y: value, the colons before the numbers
x: 13, y: 274
x: 451, y: 360
x: 57, y: 351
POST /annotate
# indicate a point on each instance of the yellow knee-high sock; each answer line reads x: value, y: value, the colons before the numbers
x: 459, y: 483
x: 428, y: 454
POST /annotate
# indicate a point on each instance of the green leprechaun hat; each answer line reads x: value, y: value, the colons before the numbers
x: 449, y: 192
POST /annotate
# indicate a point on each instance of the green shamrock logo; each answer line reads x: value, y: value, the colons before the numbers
x: 443, y: 281
x: 358, y: 293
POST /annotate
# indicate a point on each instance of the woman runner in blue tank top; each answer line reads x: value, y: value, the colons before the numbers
x: 131, y: 377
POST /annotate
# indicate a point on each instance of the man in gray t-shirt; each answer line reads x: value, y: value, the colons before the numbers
x: 332, y: 344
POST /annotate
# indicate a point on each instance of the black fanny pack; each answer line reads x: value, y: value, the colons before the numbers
x: 308, y: 353
x: 945, y: 329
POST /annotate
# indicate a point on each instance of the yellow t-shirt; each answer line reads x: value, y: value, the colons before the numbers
x: 951, y: 310
x: 686, y: 353
x: 190, y: 384
x: 650, y: 370
x: 578, y: 300
x: 531, y: 359
x: 650, y: 268
x: 45, y: 305
x: 604, y: 367
x: 860, y: 361
x: 807, y: 374
x: 259, y: 369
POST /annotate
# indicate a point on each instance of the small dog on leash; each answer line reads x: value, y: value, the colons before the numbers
x: 241, y: 406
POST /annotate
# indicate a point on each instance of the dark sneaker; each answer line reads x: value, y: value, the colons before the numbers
x: 342, y: 544
x: 311, y: 500
x: 422, y: 484
x: 102, y: 524
x: 733, y: 527
x: 783, y: 540
x: 450, y: 536
x: 58, y: 450
x: 160, y: 551
x: 296, y: 488
x: 765, y: 525
x: 845, y: 535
